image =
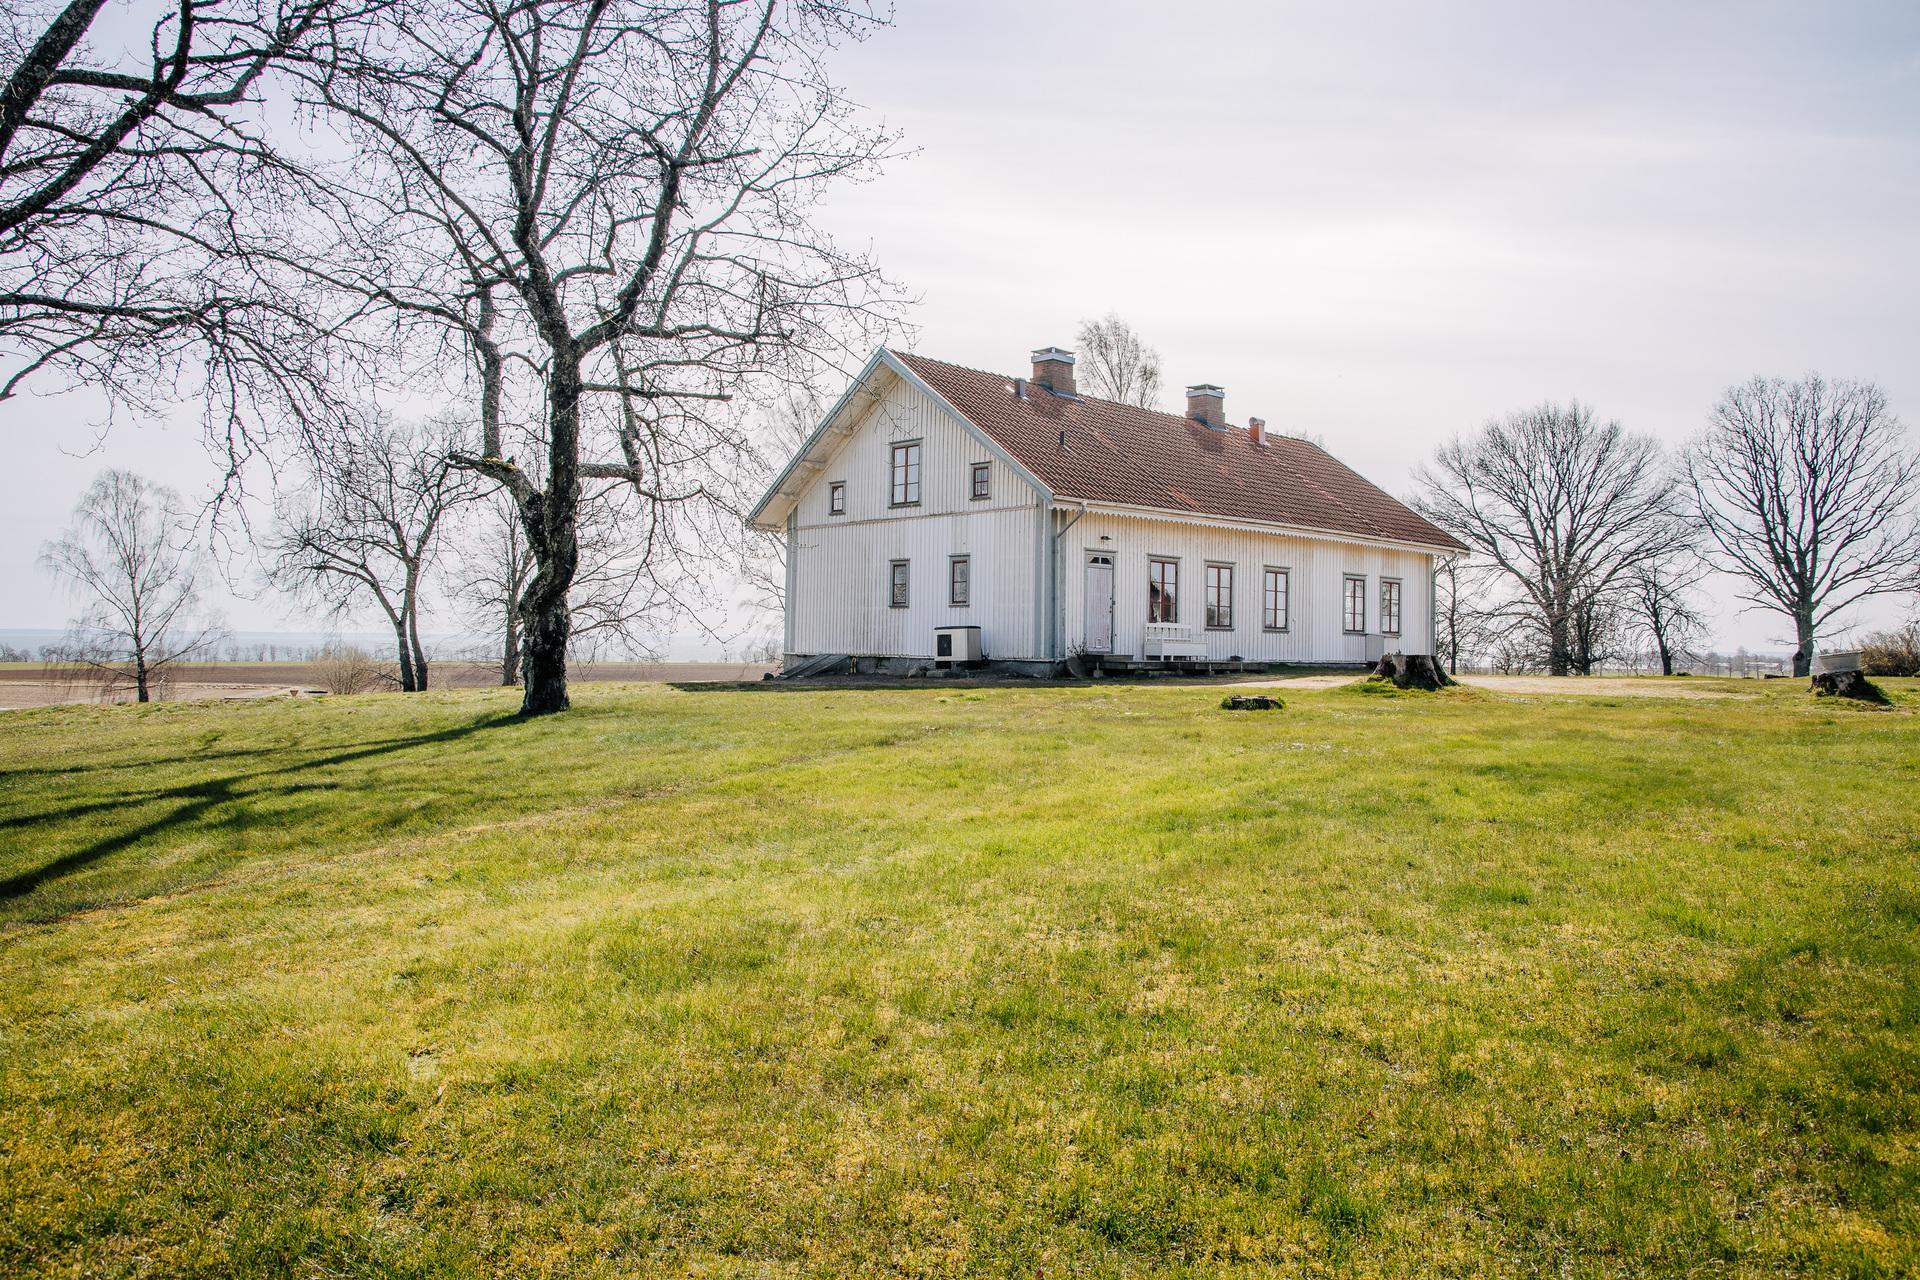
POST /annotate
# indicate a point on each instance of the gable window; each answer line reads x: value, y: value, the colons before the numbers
x: 1220, y: 597
x: 1273, y: 600
x: 903, y: 475
x: 1354, y: 610
x: 837, y: 498
x: 959, y: 581
x: 897, y: 584
x: 1163, y: 590
x: 982, y: 480
x: 1390, y: 606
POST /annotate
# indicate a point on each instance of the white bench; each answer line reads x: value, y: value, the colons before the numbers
x: 1165, y: 640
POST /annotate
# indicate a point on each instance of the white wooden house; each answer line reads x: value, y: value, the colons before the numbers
x: 933, y: 496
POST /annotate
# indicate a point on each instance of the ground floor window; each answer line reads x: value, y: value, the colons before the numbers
x: 1273, y: 600
x: 1390, y: 606
x: 897, y: 571
x: 1354, y: 611
x: 1220, y: 596
x: 1163, y: 590
x: 959, y: 580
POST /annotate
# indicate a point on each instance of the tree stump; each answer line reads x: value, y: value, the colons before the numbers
x: 1848, y: 684
x: 1250, y: 702
x: 1412, y: 671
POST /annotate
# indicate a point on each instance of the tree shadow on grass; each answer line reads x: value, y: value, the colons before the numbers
x: 199, y: 798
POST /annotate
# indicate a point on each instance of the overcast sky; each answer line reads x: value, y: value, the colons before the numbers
x: 1379, y: 224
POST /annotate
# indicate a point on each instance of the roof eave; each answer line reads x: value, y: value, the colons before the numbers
x: 759, y: 519
x: 756, y: 519
x: 1180, y: 516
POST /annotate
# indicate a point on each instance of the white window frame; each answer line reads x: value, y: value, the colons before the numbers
x: 1347, y: 598
x: 1268, y: 575
x: 899, y: 584
x: 1211, y: 607
x: 963, y: 596
x: 904, y: 473
x: 1392, y: 615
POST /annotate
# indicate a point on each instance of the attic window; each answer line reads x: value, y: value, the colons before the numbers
x: 903, y: 475
x: 982, y: 480
x: 837, y: 498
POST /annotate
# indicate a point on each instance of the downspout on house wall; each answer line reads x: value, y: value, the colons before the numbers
x: 1056, y: 620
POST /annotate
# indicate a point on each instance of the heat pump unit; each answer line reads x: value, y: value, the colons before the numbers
x: 955, y: 645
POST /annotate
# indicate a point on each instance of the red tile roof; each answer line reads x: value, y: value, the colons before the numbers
x: 1141, y: 457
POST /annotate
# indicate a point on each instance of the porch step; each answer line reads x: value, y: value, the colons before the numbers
x: 1127, y: 664
x: 814, y: 666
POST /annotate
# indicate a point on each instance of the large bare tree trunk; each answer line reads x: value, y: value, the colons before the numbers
x: 419, y: 650
x: 1803, y: 633
x: 402, y: 652
x: 552, y: 521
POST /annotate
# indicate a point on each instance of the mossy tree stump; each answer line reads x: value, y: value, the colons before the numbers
x: 1848, y: 684
x: 1412, y: 671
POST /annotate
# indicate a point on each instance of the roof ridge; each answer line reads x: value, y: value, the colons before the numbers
x: 1150, y: 458
x: 1180, y: 418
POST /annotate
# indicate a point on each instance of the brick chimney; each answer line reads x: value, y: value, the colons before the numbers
x: 1208, y: 403
x: 1257, y: 431
x: 1053, y: 369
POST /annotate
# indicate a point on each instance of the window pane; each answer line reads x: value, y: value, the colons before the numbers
x: 904, y: 474
x: 1219, y: 595
x: 1163, y: 591
x: 980, y: 481
x: 898, y: 593
x: 1274, y: 602
x: 958, y: 580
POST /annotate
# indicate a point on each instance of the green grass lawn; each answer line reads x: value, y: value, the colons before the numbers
x: 942, y: 981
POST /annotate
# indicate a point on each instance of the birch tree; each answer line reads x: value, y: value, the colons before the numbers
x: 1564, y: 508
x: 607, y: 210
x: 128, y: 559
x: 1117, y: 364
x: 1807, y: 492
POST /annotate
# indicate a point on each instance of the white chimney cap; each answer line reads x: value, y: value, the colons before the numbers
x: 1206, y: 389
x: 1053, y: 353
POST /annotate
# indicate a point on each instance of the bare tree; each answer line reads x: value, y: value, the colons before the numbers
x: 616, y: 601
x: 783, y: 430
x: 1808, y: 493
x: 130, y: 171
x: 493, y: 565
x: 609, y: 206
x: 1564, y: 507
x: 128, y: 558
x: 1664, y: 608
x: 1463, y: 624
x: 1117, y: 364
x: 365, y: 528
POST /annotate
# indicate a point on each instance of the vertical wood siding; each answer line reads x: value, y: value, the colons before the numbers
x: 1316, y: 568
x: 838, y: 601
